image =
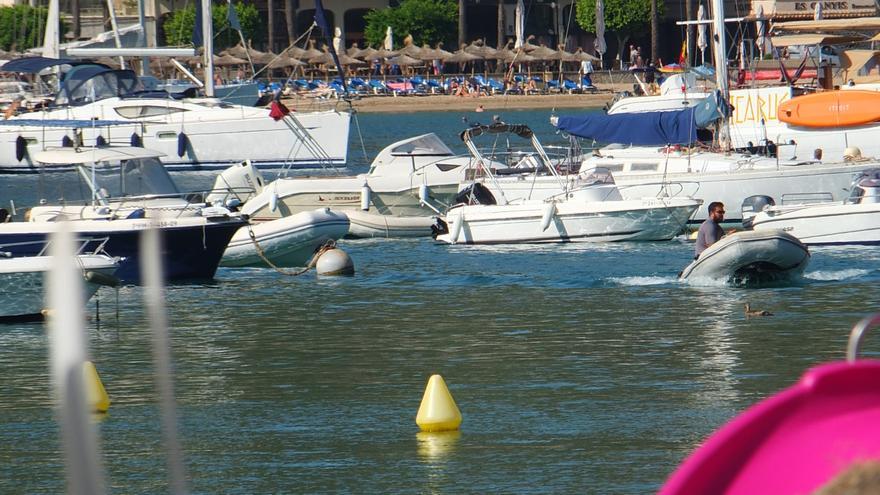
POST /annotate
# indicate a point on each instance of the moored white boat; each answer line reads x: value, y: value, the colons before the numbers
x: 750, y: 258
x: 22, y: 281
x: 855, y: 220
x: 591, y: 210
x: 408, y: 183
x: 287, y: 241
x: 198, y: 133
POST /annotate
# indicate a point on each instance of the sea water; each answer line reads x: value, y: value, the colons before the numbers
x: 577, y: 368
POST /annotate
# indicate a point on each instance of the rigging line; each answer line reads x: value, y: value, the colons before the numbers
x: 308, y: 33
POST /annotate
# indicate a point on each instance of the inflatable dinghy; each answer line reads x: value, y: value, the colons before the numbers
x: 818, y: 433
x: 751, y: 258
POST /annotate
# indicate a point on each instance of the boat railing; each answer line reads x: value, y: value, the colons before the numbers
x: 86, y: 245
x: 667, y: 189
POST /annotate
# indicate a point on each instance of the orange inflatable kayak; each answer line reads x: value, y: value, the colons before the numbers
x: 832, y: 109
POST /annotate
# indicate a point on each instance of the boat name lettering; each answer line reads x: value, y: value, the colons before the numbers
x: 748, y: 108
x: 838, y: 107
x: 346, y: 198
x: 811, y: 6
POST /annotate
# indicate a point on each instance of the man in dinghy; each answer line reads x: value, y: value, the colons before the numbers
x: 710, y: 230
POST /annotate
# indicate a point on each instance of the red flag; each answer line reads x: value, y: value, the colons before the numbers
x: 682, y: 58
x: 277, y: 110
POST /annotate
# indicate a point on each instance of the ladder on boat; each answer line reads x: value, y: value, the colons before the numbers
x: 308, y: 142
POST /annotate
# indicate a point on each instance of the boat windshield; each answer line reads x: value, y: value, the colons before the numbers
x: 597, y: 175
x: 88, y: 83
x: 427, y: 145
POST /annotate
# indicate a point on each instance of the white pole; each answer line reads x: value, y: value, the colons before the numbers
x: 115, y: 31
x: 720, y: 56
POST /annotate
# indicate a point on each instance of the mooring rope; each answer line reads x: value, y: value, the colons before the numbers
x: 328, y: 245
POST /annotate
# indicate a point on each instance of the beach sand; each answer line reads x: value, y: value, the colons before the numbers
x: 400, y: 104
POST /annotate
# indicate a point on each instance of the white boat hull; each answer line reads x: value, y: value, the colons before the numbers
x: 286, y: 242
x: 822, y: 225
x: 365, y: 225
x: 215, y: 137
x: 531, y: 222
x: 22, y: 283
x: 750, y: 258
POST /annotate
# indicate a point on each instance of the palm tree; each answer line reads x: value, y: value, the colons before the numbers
x: 289, y: 16
x: 271, y: 19
x: 462, y: 24
x: 500, y: 23
x: 75, y: 23
x: 655, y: 31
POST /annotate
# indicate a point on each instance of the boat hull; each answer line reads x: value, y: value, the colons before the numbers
x: 191, y: 246
x: 285, y: 242
x: 637, y: 220
x: 214, y: 138
x: 825, y: 225
x: 366, y: 225
x: 750, y: 259
x: 22, y: 283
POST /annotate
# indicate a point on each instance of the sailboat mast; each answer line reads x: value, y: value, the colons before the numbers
x: 115, y: 31
x: 208, y: 45
x: 720, y: 55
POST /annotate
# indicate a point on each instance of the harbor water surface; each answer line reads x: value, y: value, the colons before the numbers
x: 577, y: 368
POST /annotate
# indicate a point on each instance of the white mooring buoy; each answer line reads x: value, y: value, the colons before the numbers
x: 334, y: 262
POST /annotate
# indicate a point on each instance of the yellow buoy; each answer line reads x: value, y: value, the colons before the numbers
x: 438, y: 411
x: 97, y: 396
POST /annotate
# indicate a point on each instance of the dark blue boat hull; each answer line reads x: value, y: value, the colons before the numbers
x: 188, y: 252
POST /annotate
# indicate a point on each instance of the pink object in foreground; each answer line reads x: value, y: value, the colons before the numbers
x: 793, y: 442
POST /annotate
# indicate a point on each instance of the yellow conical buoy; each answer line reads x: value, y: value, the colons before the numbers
x: 97, y: 396
x: 438, y: 411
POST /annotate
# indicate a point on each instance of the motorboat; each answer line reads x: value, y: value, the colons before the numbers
x: 750, y: 258
x: 108, y: 206
x: 287, y: 241
x: 855, y: 220
x: 590, y: 211
x: 813, y: 435
x: 22, y: 279
x: 408, y: 184
x: 676, y: 164
x: 124, y: 182
x: 191, y: 133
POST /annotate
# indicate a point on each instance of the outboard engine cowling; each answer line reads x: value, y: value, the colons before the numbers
x: 475, y: 194
x: 241, y: 181
x: 753, y: 205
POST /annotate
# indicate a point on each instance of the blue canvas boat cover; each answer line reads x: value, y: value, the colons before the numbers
x: 647, y: 128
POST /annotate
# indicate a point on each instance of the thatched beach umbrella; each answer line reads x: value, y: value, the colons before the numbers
x: 283, y: 62
x: 462, y: 56
x: 226, y: 59
x: 543, y: 53
x: 404, y: 60
x: 294, y: 52
x: 580, y: 55
x: 481, y: 50
x: 368, y: 53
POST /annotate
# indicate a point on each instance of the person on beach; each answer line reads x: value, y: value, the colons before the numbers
x: 710, y: 231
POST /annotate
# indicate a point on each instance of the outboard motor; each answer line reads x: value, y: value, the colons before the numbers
x: 753, y: 205
x: 238, y: 182
x: 475, y: 194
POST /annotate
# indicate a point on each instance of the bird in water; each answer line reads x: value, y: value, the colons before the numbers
x: 756, y: 312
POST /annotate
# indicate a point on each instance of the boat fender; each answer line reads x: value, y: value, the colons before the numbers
x: 20, y: 148
x: 100, y: 141
x: 273, y: 202
x: 334, y: 262
x: 136, y: 140
x: 101, y: 279
x: 457, y: 224
x: 182, y: 142
x: 366, y: 192
x: 549, y: 213
x: 66, y: 142
x: 424, y: 194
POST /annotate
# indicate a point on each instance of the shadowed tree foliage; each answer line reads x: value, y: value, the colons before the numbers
x: 428, y: 21
x: 624, y: 18
x: 179, y: 27
x: 22, y: 27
